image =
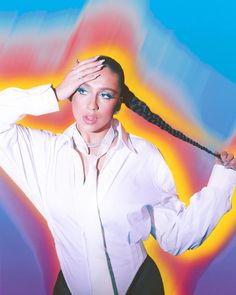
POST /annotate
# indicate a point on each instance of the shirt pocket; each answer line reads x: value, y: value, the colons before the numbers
x: 140, y: 225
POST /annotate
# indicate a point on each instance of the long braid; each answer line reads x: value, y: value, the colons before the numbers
x: 139, y: 107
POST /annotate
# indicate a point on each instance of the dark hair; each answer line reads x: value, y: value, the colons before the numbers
x: 139, y: 107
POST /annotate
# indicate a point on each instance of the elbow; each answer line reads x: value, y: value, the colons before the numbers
x: 170, y: 245
x: 171, y: 249
x: 177, y: 243
x: 178, y: 246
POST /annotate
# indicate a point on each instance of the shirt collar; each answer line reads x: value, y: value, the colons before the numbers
x: 78, y: 140
x: 123, y: 137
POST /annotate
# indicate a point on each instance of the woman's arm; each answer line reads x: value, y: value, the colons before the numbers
x: 178, y: 228
x: 16, y: 103
x: 23, y: 151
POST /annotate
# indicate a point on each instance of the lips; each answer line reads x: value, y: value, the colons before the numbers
x: 90, y: 119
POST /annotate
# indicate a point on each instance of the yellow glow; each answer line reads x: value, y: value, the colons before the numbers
x: 133, y: 75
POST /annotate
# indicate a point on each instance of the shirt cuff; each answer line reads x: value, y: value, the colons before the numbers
x: 222, y: 178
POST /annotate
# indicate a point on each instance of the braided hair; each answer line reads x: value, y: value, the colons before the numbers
x: 140, y: 107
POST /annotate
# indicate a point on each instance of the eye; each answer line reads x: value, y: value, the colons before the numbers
x: 82, y: 90
x: 107, y: 95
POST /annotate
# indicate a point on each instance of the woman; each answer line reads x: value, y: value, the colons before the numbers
x: 101, y: 190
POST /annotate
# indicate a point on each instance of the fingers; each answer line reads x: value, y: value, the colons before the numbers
x: 88, y: 60
x: 88, y: 69
x: 87, y: 63
x: 80, y: 67
x: 88, y: 78
x: 226, y: 157
x: 81, y: 73
x: 228, y: 160
x: 232, y: 164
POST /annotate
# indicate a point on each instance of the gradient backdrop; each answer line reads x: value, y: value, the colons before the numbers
x: 178, y: 56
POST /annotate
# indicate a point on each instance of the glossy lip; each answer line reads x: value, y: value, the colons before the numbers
x: 90, y: 119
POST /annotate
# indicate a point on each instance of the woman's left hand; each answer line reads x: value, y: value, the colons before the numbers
x: 84, y: 71
x: 227, y: 159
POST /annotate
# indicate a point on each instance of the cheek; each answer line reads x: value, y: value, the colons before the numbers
x: 76, y: 107
x: 108, y: 110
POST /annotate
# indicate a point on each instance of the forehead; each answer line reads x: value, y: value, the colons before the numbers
x: 107, y: 79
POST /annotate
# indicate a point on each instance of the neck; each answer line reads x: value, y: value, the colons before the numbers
x: 93, y: 145
x: 93, y: 139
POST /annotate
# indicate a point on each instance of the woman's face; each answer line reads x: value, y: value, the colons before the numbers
x: 94, y: 102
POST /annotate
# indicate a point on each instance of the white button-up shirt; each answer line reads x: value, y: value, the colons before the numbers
x: 136, y: 193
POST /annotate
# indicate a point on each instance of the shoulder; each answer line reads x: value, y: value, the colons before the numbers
x: 143, y: 148
x: 154, y: 162
x: 149, y: 152
x: 142, y: 145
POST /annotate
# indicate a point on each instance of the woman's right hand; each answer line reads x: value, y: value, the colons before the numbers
x: 226, y: 159
x: 82, y: 72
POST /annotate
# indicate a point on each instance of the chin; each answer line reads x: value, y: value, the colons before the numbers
x: 90, y: 128
x: 95, y: 128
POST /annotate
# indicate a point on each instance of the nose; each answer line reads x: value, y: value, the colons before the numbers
x: 93, y: 104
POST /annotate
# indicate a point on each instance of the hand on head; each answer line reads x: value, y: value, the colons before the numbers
x: 82, y: 72
x: 227, y: 159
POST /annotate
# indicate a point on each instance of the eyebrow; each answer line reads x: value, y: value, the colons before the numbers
x: 102, y: 89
